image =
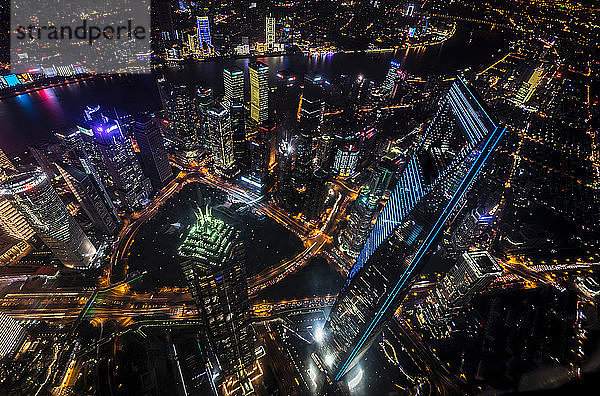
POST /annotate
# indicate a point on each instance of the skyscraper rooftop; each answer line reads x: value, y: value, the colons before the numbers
x: 209, y: 240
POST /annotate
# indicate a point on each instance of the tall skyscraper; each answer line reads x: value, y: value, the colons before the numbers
x: 303, y: 164
x: 287, y: 95
x: 204, y: 37
x: 204, y: 102
x: 219, y: 126
x: 6, y: 165
x: 166, y: 93
x: 34, y: 197
x: 233, y: 82
x: 316, y: 195
x: 12, y: 222
x: 394, y: 73
x: 312, y: 105
x: 259, y: 91
x: 364, y: 209
x: 285, y: 157
x: 212, y: 258
x: 324, y: 152
x: 164, y: 34
x: 346, y: 158
x: 443, y: 166
x: 155, y: 161
x: 93, y: 199
x: 473, y: 273
x: 184, y: 119
x: 79, y: 149
x: 13, y: 335
x: 238, y: 134
x: 128, y: 182
x: 270, y: 32
x: 42, y: 157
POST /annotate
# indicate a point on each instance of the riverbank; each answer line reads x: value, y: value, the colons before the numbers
x: 34, y: 87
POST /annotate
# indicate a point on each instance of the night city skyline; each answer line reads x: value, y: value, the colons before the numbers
x: 301, y: 198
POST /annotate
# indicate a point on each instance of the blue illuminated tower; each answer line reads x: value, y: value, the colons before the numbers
x: 394, y: 73
x: 432, y: 184
x: 128, y: 183
x: 204, y: 38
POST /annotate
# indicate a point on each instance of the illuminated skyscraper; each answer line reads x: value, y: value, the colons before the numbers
x: 155, y: 161
x: 302, y: 169
x: 233, y: 82
x: 364, y: 209
x: 184, y: 119
x: 346, y: 159
x: 324, y: 152
x: 164, y: 34
x: 204, y: 38
x: 34, y: 197
x: 6, y: 166
x: 259, y: 91
x: 270, y: 32
x: 442, y: 168
x: 42, y: 157
x: 204, y: 102
x: 128, y: 182
x: 285, y: 156
x: 219, y: 126
x: 238, y: 133
x: 471, y: 226
x: 166, y: 91
x: 13, y: 335
x: 93, y: 199
x: 12, y: 222
x: 213, y: 261
x: 394, y: 73
x: 79, y: 149
x: 312, y: 105
x: 473, y: 273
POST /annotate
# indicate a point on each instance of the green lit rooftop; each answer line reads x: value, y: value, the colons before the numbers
x: 209, y: 240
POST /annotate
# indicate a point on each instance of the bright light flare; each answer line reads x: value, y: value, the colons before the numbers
x: 356, y: 380
x: 329, y: 359
x: 318, y: 336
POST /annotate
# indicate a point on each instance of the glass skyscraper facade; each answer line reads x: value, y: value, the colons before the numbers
x: 93, y: 199
x: 128, y: 182
x: 212, y: 258
x: 233, y: 83
x: 184, y: 119
x: 450, y: 155
x: 37, y: 201
x: 259, y: 91
x: 155, y: 160
x: 204, y: 38
x: 219, y: 125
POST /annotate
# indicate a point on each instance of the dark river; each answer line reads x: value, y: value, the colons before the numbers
x: 28, y: 118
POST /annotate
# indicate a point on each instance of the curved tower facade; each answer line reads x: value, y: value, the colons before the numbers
x: 34, y: 197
